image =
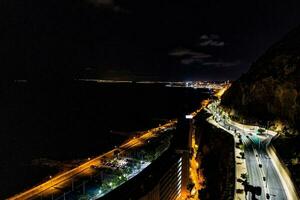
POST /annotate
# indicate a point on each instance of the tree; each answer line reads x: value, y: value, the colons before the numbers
x: 260, y: 131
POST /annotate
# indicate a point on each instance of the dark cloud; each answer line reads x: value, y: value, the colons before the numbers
x: 210, y: 36
x: 211, y: 63
x: 102, y: 2
x: 109, y: 4
x: 188, y: 52
x: 211, y: 40
x: 212, y: 43
x: 192, y: 60
x: 204, y: 37
x: 188, y: 56
x: 222, y: 64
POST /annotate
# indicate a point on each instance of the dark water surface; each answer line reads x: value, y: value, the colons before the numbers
x: 76, y: 120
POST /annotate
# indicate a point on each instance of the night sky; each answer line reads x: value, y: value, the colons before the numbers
x: 138, y: 39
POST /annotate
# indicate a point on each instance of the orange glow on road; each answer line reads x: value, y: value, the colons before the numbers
x: 204, y: 103
x: 195, y: 172
x: 196, y: 175
x: 220, y: 92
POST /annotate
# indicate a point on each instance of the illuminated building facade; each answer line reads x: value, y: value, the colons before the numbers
x: 169, y: 185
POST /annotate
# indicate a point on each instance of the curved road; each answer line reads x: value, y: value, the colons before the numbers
x: 256, y: 155
x: 261, y: 169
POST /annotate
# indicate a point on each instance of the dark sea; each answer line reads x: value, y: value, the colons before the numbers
x: 48, y: 124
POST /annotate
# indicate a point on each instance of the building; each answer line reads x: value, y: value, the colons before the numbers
x: 159, y: 181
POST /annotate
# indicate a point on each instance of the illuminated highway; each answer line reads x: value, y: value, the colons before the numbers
x: 260, y: 168
x: 264, y: 169
x: 64, y: 180
x: 65, y: 177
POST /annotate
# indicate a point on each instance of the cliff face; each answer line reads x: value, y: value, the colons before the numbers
x: 271, y: 88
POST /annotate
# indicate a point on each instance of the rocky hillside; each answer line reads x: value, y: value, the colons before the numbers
x: 270, y: 90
